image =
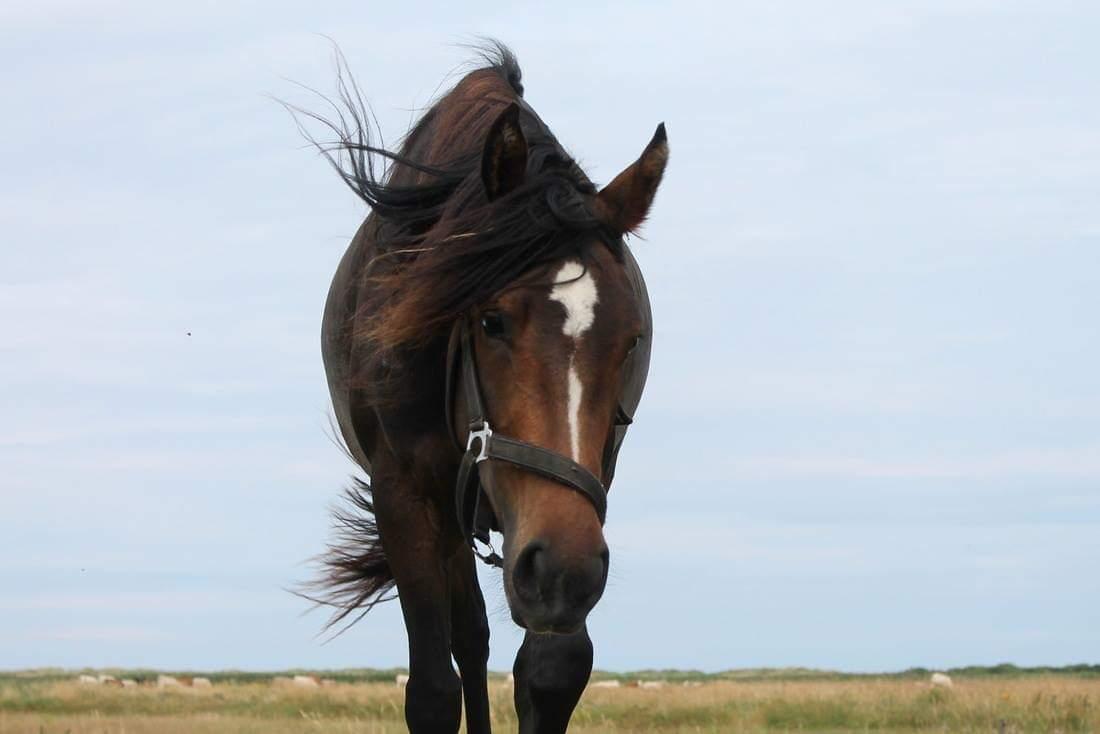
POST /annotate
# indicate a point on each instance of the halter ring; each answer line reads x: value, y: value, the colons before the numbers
x: 483, y: 434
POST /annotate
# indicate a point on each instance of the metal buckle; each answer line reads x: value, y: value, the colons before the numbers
x: 490, y: 557
x: 484, y: 434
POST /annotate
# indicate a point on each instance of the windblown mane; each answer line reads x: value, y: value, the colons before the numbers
x: 441, y: 247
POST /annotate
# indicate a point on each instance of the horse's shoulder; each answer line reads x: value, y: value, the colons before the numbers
x: 337, y: 343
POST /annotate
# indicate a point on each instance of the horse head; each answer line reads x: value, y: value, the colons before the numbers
x: 553, y: 353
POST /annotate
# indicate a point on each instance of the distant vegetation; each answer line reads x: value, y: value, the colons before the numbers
x: 387, y: 675
x: 791, y: 674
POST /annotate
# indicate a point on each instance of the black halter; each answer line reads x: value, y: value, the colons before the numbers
x: 482, y: 443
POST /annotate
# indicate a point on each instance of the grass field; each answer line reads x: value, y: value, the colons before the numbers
x: 761, y: 701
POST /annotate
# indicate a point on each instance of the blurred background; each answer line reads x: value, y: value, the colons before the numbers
x: 871, y: 436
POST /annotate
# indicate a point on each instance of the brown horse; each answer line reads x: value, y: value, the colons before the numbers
x: 486, y: 340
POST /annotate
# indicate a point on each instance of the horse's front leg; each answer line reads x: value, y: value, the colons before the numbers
x: 551, y: 672
x: 470, y: 640
x: 417, y: 552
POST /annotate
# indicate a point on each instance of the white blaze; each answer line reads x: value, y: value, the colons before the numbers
x: 576, y: 389
x: 576, y: 290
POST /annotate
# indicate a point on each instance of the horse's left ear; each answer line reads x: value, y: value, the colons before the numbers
x: 504, y: 160
x: 624, y: 203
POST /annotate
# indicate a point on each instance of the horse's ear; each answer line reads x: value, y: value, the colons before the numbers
x: 504, y: 160
x: 624, y: 203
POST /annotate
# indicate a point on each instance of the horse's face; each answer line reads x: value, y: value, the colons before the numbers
x: 550, y: 357
x: 550, y: 353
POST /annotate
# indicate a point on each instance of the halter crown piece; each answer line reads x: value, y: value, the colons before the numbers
x: 474, y: 516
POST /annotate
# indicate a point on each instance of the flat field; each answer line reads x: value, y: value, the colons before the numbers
x: 54, y: 703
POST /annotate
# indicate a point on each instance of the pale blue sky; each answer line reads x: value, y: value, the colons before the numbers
x: 871, y: 437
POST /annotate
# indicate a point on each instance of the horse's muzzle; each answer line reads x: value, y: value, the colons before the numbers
x: 554, y: 592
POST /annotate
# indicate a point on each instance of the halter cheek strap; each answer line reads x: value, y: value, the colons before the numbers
x: 483, y: 443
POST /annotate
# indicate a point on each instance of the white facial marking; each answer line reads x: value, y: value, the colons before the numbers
x: 576, y: 290
x: 576, y: 389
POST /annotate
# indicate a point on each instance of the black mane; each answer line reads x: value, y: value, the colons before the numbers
x: 441, y: 248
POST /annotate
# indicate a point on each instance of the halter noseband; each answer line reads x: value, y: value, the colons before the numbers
x: 483, y: 443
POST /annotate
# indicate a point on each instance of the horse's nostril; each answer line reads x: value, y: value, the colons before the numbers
x: 529, y: 568
x: 585, y: 581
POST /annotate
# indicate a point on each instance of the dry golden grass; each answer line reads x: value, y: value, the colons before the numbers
x: 1032, y: 704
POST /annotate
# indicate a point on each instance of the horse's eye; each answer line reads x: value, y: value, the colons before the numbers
x: 493, y: 324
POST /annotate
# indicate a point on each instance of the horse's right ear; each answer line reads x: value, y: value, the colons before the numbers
x: 504, y: 160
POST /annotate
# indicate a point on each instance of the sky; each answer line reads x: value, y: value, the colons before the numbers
x: 871, y: 434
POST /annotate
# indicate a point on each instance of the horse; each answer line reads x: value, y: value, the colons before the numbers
x: 486, y: 340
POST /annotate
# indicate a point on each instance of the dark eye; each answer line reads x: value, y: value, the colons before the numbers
x: 493, y: 324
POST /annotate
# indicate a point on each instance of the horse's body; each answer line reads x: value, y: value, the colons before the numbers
x: 487, y: 248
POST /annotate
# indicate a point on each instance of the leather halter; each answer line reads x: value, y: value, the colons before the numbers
x: 474, y: 517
